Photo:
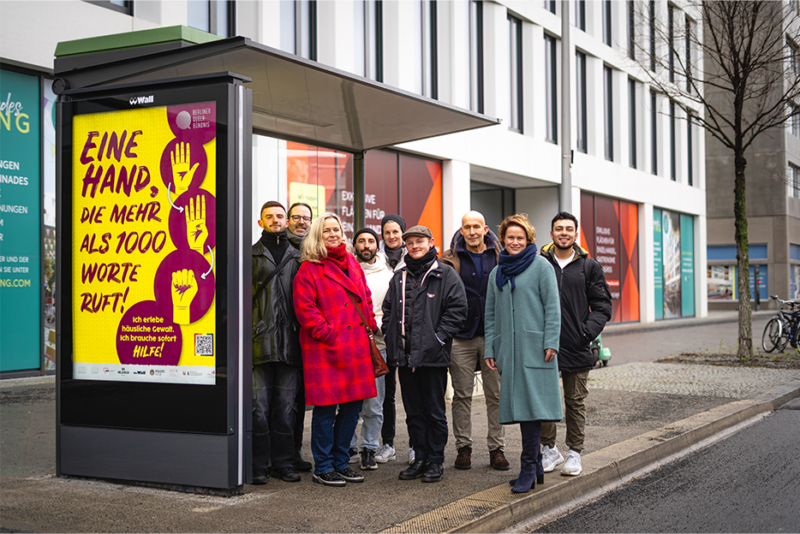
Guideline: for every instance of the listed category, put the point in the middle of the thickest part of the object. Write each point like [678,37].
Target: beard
[366,255]
[562,247]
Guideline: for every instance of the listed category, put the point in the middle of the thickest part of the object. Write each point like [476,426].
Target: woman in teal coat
[522,328]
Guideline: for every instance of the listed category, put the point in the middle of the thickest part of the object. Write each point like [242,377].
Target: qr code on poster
[204,344]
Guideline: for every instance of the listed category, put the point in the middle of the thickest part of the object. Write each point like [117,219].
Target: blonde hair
[313,248]
[521,220]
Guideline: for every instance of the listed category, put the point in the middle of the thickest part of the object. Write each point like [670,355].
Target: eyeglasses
[296,218]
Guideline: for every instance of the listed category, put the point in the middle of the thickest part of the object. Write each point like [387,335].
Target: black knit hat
[396,218]
[366,231]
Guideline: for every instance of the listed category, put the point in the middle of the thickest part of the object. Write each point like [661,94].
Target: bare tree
[733,68]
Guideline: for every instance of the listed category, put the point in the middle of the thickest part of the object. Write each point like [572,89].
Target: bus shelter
[155,130]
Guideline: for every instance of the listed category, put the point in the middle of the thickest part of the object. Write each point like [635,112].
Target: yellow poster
[144,244]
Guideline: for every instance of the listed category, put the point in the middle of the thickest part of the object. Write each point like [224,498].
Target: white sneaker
[572,466]
[551,458]
[385,453]
[411,456]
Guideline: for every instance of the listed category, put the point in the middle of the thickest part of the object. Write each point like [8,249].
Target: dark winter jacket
[439,309]
[585,307]
[459,259]
[280,342]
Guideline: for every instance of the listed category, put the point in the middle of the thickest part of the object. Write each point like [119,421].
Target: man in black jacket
[277,363]
[473,255]
[424,308]
[585,309]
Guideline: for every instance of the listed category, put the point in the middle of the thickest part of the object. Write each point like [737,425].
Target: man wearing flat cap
[426,306]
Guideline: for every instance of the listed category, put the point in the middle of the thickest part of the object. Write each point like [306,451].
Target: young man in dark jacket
[424,308]
[585,309]
[473,256]
[277,363]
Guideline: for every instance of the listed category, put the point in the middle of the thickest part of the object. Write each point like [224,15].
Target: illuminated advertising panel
[144,192]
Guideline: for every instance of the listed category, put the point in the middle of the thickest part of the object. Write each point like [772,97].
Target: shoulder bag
[378,363]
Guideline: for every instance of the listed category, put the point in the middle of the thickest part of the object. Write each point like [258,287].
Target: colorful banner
[658,265]
[144,238]
[20,222]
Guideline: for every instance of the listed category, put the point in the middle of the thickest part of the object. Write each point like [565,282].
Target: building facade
[638,174]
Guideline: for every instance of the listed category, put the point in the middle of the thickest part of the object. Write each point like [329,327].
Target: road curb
[616,463]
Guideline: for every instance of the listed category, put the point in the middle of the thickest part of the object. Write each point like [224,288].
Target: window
[551,88]
[212,16]
[369,38]
[299,27]
[653,134]
[580,85]
[607,22]
[689,151]
[608,112]
[122,6]
[688,64]
[515,56]
[794,60]
[429,49]
[652,35]
[671,41]
[632,121]
[794,181]
[550,5]
[794,120]
[631,31]
[673,156]
[580,14]
[476,55]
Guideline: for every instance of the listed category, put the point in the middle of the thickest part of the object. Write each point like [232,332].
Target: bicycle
[782,329]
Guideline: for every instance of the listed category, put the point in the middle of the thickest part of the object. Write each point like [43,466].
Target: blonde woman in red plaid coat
[337,365]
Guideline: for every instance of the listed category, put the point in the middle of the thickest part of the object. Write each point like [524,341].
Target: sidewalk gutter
[617,329]
[497,509]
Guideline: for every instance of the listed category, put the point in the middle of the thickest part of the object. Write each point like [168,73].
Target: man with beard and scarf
[426,306]
[299,218]
[378,276]
[277,363]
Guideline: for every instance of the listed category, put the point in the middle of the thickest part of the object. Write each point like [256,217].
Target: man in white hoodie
[378,275]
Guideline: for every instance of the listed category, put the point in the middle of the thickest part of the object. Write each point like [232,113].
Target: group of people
[490,303]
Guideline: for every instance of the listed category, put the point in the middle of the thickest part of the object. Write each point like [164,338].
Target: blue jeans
[331,432]
[372,418]
[274,391]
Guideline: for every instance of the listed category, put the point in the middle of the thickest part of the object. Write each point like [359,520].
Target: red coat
[337,365]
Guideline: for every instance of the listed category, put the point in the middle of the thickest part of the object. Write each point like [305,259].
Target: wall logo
[141,100]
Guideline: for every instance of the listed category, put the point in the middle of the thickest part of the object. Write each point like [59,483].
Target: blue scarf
[510,266]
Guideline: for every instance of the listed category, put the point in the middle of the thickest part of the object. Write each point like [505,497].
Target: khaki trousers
[575,393]
[465,357]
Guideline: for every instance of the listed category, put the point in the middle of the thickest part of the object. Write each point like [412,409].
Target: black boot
[415,470]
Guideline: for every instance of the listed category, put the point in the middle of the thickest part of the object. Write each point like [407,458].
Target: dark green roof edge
[123,41]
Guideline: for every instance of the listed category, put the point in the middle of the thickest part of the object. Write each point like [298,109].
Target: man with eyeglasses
[300,218]
[299,221]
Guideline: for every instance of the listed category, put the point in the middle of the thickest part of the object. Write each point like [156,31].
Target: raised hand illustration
[196,227]
[184,289]
[182,174]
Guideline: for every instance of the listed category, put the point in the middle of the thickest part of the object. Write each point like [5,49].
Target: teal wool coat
[519,326]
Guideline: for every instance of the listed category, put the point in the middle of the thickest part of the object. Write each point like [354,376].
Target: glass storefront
[395,183]
[610,233]
[673,251]
[722,273]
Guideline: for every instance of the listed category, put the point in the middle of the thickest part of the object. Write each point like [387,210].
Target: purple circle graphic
[181,288]
[193,122]
[176,151]
[200,216]
[146,337]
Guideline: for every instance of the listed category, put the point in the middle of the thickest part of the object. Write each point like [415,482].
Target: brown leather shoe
[498,460]
[464,459]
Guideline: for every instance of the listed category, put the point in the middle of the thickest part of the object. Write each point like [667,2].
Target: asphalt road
[715,338]
[749,482]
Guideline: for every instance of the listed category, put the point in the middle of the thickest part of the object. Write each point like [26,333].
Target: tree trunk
[745,350]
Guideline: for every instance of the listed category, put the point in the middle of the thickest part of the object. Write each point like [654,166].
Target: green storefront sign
[20,222]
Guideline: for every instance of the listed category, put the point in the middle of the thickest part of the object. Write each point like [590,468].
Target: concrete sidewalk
[639,415]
